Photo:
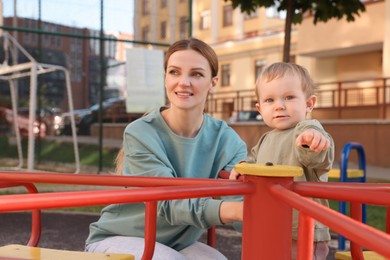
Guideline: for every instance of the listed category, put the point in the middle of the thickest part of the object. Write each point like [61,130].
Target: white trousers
[135,246]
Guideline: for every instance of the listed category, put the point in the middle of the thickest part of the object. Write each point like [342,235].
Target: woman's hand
[234,175]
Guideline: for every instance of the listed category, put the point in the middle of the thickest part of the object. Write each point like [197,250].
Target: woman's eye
[173,72]
[197,74]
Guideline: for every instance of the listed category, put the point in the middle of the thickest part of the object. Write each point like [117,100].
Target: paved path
[66,230]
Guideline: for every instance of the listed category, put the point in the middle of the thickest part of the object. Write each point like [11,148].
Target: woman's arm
[231,211]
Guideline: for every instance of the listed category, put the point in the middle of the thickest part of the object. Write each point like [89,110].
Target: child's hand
[313,140]
[234,175]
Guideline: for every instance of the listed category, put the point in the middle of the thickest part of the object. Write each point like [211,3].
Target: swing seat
[351,173]
[368,255]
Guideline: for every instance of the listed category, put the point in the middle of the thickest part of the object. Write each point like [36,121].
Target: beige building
[349,60]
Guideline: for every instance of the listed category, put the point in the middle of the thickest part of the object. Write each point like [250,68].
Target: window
[225,71]
[145,7]
[227,15]
[272,12]
[204,20]
[259,66]
[252,15]
[163,30]
[145,33]
[183,27]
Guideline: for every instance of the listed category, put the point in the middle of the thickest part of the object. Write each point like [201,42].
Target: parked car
[246,116]
[7,122]
[114,111]
[65,128]
[50,117]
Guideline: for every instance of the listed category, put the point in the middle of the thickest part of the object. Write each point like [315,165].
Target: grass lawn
[375,215]
[59,152]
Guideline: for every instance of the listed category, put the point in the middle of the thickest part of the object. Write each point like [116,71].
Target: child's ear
[310,103]
[258,107]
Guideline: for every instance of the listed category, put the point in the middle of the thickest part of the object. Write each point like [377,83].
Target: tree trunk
[287,31]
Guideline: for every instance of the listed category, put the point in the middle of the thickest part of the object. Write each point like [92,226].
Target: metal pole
[190,18]
[33,107]
[39,87]
[102,81]
[14,48]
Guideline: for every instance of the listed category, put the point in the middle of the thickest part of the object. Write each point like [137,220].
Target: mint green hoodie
[152,149]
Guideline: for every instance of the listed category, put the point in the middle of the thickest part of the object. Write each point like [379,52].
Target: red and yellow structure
[270,194]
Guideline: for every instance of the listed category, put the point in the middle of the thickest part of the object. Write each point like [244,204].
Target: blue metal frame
[344,178]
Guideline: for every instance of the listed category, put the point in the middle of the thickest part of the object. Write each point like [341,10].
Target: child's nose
[280,105]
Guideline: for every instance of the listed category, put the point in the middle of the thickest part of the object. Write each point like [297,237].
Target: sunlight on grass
[55,151]
[375,215]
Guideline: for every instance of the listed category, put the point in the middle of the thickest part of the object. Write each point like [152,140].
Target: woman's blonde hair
[119,161]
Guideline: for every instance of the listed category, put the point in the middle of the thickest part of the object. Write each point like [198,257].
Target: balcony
[358,99]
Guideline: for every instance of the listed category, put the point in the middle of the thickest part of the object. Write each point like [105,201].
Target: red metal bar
[357,214]
[366,193]
[305,237]
[103,197]
[267,222]
[36,216]
[102,180]
[361,233]
[150,229]
[211,236]
[388,220]
[267,205]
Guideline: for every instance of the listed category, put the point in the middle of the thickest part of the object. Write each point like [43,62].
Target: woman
[175,141]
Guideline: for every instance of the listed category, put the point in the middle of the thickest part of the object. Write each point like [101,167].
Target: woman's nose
[185,81]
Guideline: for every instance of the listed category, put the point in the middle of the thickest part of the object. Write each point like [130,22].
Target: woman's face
[188,80]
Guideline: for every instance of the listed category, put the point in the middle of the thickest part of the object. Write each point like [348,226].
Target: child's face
[282,102]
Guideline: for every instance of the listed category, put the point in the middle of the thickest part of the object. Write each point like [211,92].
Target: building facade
[348,60]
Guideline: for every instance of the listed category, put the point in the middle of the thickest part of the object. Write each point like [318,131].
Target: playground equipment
[269,196]
[11,72]
[358,176]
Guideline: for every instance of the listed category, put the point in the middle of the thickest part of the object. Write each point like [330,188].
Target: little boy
[285,95]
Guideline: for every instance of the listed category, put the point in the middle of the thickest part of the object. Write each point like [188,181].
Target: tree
[321,10]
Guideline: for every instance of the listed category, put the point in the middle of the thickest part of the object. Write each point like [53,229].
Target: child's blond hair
[280,69]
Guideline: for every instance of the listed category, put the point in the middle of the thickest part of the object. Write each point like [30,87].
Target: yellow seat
[36,253]
[351,173]
[368,255]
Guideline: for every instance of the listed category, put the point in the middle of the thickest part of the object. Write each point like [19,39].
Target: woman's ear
[310,103]
[213,84]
